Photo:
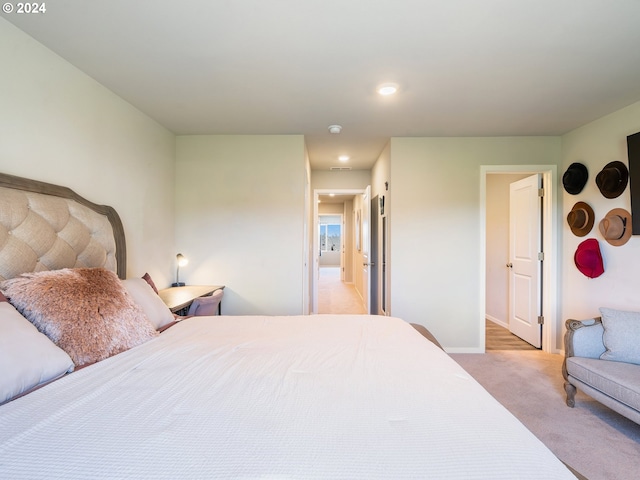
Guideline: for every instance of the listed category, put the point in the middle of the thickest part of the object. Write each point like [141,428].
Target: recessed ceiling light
[387,89]
[335,128]
[343,158]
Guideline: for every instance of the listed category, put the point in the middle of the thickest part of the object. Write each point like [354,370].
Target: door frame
[315,235]
[550,247]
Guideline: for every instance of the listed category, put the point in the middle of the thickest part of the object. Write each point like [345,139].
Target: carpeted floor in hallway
[335,296]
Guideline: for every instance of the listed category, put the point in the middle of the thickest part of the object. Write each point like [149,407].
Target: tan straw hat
[615,227]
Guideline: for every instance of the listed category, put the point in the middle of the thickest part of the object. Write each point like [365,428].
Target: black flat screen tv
[633,149]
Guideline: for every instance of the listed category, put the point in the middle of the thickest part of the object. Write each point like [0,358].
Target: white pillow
[27,357]
[152,305]
[621,335]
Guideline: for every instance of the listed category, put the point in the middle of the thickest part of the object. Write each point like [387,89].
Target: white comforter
[309,397]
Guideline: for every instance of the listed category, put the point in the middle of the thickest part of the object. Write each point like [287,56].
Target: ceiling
[464,67]
[335,198]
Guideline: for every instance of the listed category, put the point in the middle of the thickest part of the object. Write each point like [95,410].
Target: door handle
[510,265]
[372,264]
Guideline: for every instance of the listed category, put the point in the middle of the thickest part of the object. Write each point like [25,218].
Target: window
[329,237]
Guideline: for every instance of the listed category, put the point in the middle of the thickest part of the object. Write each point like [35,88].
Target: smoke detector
[335,128]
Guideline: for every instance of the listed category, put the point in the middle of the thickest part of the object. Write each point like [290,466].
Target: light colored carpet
[591,438]
[335,296]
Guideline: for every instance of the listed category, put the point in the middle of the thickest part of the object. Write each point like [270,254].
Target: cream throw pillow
[155,309]
[27,357]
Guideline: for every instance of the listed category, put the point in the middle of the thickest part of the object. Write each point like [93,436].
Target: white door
[525,259]
[366,247]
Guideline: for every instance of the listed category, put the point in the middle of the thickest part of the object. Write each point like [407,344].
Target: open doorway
[330,232]
[495,181]
[498,335]
[335,295]
[336,276]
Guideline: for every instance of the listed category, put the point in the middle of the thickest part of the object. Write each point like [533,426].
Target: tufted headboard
[48,227]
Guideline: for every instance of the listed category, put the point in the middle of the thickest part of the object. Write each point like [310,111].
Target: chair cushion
[615,379]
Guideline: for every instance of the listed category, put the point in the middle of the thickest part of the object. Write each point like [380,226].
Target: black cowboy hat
[575,178]
[612,179]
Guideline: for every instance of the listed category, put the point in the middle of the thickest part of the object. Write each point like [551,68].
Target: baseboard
[498,322]
[463,350]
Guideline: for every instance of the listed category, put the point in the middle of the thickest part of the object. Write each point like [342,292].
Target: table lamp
[181,262]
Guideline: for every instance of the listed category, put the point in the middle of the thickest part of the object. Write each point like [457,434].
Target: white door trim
[550,247]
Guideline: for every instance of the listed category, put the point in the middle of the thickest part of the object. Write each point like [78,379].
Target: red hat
[588,258]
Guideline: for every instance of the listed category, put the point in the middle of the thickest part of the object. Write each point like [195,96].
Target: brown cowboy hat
[615,227]
[612,179]
[580,219]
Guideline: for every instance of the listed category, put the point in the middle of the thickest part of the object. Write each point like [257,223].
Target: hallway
[335,296]
[500,338]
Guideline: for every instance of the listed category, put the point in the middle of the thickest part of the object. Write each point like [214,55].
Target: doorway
[495,250]
[330,231]
[347,203]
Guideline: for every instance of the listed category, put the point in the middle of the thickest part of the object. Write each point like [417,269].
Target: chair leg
[571,394]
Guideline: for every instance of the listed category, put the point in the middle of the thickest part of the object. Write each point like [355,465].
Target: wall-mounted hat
[580,219]
[588,258]
[612,179]
[575,178]
[615,227]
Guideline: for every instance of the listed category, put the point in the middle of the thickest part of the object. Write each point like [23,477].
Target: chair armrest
[583,338]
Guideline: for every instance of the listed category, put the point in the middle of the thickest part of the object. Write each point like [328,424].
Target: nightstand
[178,299]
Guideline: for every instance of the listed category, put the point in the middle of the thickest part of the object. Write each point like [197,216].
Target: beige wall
[349,241]
[435,228]
[60,126]
[356,255]
[345,179]
[595,145]
[240,216]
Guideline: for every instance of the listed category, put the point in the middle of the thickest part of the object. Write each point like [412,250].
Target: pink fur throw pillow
[85,311]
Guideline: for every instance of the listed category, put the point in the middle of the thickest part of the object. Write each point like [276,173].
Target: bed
[228,397]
